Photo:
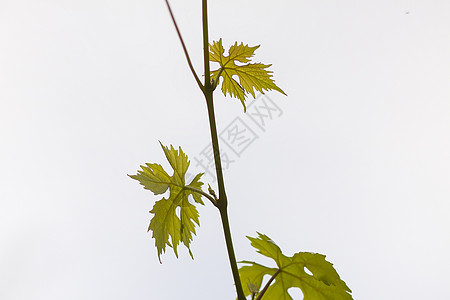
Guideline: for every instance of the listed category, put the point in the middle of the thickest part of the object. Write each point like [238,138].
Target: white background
[357,167]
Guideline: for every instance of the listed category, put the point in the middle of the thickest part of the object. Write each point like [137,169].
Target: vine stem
[222,202]
[208,88]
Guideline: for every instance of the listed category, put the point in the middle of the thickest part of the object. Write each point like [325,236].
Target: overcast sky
[354,163]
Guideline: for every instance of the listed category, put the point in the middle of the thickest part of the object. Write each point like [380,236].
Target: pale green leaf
[252,77]
[174,218]
[323,284]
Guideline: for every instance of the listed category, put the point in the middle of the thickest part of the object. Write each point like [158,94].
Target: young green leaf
[251,76]
[323,284]
[175,216]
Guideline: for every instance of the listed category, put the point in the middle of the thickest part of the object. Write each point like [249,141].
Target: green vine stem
[208,88]
[222,204]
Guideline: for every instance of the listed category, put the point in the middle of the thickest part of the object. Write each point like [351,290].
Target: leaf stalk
[210,198]
[264,290]
[216,80]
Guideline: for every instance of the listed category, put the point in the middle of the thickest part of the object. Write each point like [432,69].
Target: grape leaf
[251,76]
[175,216]
[323,284]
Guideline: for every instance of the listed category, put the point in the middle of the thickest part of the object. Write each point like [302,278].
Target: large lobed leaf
[251,76]
[174,217]
[323,284]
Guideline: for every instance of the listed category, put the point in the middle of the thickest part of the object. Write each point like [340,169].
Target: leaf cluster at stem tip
[251,76]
